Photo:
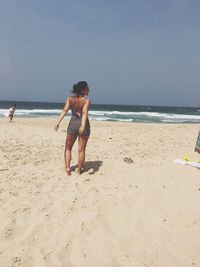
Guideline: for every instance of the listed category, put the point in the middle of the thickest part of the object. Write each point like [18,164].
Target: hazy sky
[131,52]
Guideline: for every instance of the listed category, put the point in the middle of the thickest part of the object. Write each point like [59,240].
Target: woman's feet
[68,171]
[80,171]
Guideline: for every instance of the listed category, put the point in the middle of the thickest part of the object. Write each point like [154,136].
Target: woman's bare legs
[82,142]
[70,140]
[11,117]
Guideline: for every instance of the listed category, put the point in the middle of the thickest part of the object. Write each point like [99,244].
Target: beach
[143,212]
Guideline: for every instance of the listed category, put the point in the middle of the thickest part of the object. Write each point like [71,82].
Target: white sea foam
[22,112]
[105,115]
[136,115]
[38,111]
[110,119]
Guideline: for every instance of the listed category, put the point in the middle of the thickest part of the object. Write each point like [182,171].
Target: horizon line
[141,105]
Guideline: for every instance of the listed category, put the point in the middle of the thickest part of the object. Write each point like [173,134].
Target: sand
[120,214]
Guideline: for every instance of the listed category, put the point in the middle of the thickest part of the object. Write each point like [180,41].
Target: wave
[144,116]
[115,115]
[25,112]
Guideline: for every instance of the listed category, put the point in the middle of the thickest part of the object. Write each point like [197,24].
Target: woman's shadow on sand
[90,166]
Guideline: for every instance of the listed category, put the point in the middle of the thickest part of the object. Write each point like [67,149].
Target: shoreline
[96,120]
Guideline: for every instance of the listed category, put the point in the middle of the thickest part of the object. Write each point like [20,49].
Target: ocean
[123,113]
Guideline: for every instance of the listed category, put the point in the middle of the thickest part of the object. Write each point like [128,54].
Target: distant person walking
[79,125]
[11,112]
[197,147]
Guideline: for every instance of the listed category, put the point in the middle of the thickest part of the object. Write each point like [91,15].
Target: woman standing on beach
[79,125]
[197,147]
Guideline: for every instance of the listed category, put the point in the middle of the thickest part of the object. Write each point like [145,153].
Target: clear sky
[131,52]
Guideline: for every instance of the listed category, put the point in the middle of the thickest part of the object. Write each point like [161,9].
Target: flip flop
[128,160]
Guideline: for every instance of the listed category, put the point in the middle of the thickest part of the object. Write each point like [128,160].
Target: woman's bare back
[76,104]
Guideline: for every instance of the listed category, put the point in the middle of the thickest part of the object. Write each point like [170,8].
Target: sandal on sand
[128,160]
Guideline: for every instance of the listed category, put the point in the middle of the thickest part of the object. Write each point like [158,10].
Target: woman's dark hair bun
[74,88]
[77,88]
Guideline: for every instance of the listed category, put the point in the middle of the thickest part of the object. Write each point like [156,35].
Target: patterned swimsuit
[75,124]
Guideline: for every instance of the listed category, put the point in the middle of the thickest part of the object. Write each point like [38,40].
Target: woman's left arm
[63,113]
[84,115]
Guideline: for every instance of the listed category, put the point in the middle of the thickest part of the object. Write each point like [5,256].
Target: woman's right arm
[63,113]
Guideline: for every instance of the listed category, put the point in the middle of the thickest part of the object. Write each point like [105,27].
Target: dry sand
[142,214]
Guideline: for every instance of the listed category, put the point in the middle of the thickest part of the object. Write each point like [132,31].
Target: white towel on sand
[190,163]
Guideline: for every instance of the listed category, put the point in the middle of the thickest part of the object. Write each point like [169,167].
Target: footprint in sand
[8,232]
[16,261]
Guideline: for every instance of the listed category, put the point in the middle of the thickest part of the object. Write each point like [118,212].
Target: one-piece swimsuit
[75,124]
